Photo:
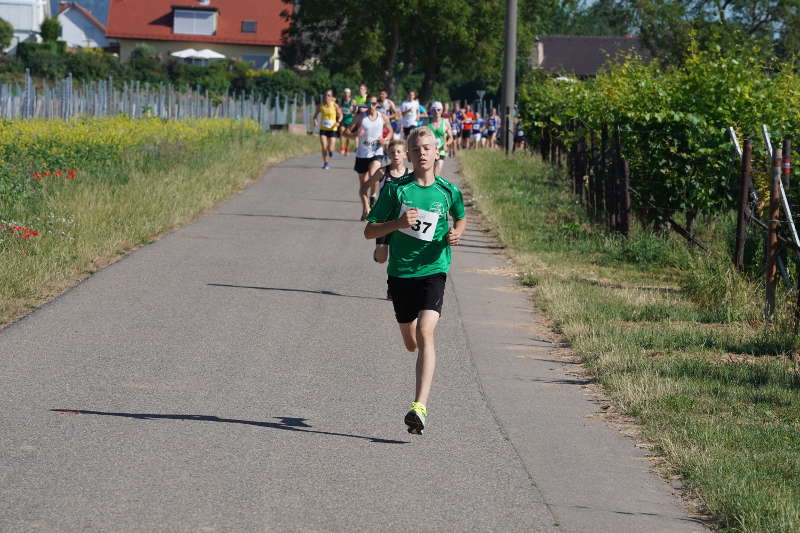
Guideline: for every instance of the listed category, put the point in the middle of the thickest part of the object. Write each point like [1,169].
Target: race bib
[425,226]
[328,123]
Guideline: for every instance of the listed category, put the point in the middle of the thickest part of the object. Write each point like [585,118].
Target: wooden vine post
[772,235]
[744,189]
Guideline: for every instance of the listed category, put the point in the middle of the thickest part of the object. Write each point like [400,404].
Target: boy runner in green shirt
[414,210]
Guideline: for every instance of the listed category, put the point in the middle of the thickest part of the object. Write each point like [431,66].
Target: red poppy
[59,172]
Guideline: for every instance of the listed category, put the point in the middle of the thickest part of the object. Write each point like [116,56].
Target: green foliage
[578,17]
[9,67]
[6,34]
[26,48]
[668,27]
[50,29]
[47,64]
[387,41]
[88,65]
[143,50]
[673,122]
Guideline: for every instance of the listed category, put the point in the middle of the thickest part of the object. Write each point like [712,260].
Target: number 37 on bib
[425,226]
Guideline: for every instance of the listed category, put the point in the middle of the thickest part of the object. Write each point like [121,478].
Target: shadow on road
[326,293]
[286,423]
[491,247]
[354,219]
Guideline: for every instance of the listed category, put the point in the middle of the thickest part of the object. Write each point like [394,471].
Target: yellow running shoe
[416,418]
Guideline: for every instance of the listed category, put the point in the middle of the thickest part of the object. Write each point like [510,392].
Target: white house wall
[26,17]
[79,32]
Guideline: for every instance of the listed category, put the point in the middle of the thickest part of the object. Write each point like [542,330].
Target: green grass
[675,338]
[87,223]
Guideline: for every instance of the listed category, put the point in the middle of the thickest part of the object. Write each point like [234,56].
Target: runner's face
[423,153]
[398,155]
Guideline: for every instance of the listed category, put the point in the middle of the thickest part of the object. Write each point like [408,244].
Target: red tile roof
[152,20]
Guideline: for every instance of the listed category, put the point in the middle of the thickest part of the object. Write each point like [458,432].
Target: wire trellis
[63,100]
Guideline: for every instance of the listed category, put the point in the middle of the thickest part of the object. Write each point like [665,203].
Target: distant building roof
[64,6]
[582,55]
[153,20]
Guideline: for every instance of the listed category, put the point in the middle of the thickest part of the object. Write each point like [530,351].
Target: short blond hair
[421,131]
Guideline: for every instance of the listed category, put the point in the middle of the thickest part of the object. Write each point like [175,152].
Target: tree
[387,41]
[6,34]
[668,27]
[579,17]
[50,29]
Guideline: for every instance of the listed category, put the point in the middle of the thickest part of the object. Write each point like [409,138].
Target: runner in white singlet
[373,131]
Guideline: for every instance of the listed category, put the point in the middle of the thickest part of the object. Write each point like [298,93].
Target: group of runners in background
[466,128]
[366,124]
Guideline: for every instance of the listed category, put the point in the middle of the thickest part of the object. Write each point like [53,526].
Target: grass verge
[675,339]
[90,221]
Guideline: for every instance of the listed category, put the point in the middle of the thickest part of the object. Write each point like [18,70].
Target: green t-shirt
[421,250]
[347,111]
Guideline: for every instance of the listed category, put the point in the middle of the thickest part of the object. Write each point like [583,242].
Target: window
[195,22]
[248,26]
[259,62]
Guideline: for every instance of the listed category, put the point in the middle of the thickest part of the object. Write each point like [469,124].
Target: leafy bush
[11,65]
[26,48]
[50,29]
[143,50]
[6,34]
[673,122]
[89,64]
[47,64]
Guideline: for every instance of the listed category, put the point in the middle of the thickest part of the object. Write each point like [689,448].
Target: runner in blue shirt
[423,116]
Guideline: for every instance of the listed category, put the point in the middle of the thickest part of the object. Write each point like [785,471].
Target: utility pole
[509,74]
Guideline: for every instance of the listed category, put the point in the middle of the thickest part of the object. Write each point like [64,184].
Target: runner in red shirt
[466,132]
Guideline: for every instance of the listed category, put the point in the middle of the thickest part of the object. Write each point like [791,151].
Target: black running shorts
[466,133]
[407,131]
[412,295]
[362,163]
[327,133]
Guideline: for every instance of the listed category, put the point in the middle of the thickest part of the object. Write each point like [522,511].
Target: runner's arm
[354,127]
[387,132]
[339,114]
[454,235]
[381,229]
[375,178]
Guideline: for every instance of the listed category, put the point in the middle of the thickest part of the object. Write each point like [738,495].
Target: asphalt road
[245,374]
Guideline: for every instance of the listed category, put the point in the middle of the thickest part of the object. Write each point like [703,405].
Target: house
[81,29]
[249,30]
[26,17]
[580,55]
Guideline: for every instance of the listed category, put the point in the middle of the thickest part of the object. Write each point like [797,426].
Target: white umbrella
[183,54]
[208,54]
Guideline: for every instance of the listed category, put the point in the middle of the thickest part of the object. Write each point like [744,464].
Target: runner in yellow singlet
[331,115]
[362,96]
